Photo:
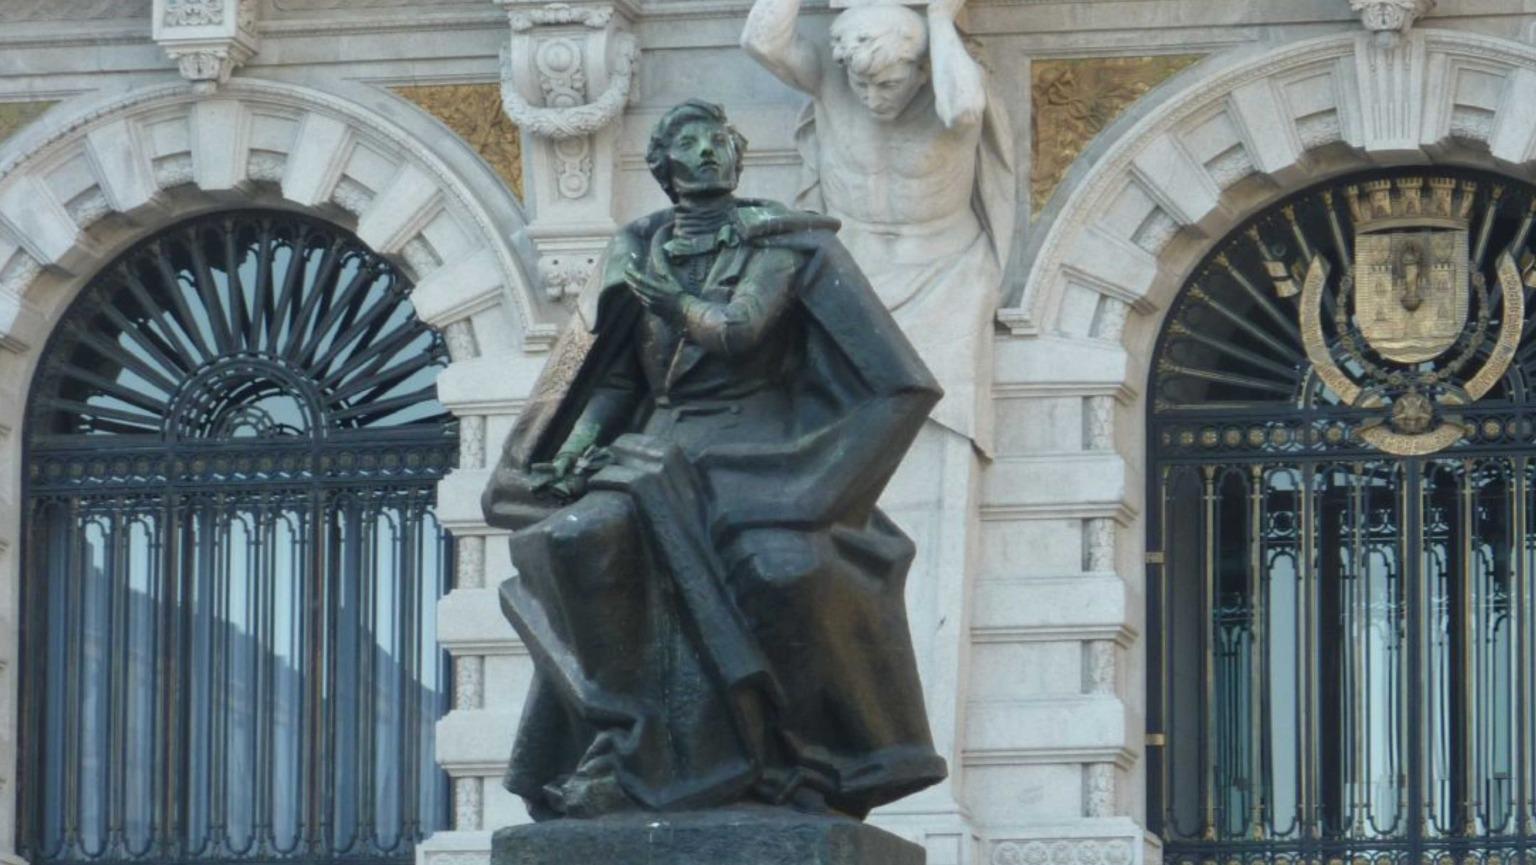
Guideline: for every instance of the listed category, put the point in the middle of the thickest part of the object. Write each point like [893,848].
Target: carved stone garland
[566,77]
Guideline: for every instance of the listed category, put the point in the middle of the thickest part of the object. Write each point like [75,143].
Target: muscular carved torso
[908,173]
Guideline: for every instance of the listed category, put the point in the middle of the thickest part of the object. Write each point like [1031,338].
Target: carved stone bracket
[207,39]
[567,73]
[1390,18]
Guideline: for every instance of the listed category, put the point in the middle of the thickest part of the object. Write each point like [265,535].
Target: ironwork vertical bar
[1402,760]
[1359,565]
[1521,536]
[1413,580]
[369,568]
[327,573]
[315,650]
[1306,666]
[1257,783]
[74,724]
[1468,651]
[264,817]
[1165,660]
[219,694]
[1208,608]
[410,530]
[1426,821]
[119,694]
[185,638]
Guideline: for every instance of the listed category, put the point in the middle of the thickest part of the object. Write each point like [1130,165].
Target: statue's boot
[593,790]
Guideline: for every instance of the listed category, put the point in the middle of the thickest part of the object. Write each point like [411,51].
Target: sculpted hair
[667,127]
[867,39]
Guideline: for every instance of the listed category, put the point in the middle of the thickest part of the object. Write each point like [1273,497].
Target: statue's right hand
[563,464]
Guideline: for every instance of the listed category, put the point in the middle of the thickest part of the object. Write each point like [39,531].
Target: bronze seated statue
[712,600]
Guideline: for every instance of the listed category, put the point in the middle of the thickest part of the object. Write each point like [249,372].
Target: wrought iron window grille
[231,557]
[1343,620]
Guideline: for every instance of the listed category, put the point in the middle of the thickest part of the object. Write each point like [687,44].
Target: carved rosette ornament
[566,78]
[1391,18]
[207,39]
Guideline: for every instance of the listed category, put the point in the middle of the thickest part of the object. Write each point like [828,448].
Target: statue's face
[888,91]
[703,159]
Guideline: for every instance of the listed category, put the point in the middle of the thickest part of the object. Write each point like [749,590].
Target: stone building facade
[489,147]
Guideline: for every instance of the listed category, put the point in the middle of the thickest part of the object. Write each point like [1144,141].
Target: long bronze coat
[721,613]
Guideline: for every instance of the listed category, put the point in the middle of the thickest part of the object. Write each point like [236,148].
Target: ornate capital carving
[1390,18]
[207,39]
[568,258]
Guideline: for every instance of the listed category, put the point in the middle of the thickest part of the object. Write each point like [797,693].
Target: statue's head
[885,51]
[694,150]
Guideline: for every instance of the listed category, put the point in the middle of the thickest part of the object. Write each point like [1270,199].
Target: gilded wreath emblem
[1403,334]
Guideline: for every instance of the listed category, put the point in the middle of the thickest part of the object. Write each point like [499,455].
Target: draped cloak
[726,621]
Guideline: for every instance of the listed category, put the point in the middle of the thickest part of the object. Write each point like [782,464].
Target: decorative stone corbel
[566,78]
[1391,19]
[208,39]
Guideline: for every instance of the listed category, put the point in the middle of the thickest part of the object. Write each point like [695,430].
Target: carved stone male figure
[713,603]
[904,143]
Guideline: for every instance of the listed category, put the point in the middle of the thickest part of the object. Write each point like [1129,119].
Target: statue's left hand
[663,297]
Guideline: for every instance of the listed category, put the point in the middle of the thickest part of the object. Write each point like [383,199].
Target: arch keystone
[220,135]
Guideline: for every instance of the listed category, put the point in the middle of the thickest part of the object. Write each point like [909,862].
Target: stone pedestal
[737,836]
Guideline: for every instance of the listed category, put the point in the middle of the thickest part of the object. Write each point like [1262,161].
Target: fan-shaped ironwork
[1232,373]
[1345,638]
[232,559]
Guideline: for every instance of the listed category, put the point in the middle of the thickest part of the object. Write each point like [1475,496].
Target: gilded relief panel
[474,113]
[1074,99]
[15,115]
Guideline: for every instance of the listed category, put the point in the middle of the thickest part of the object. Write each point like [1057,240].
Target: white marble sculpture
[905,144]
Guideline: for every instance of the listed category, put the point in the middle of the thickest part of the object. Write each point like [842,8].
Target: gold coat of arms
[1412,292]
[1412,286]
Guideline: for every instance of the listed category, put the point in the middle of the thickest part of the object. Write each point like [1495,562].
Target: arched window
[1343,482]
[231,560]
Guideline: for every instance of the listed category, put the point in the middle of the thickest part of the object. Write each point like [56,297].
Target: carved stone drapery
[566,77]
[207,39]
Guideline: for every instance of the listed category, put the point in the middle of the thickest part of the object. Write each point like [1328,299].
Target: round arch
[1150,200]
[100,172]
[1162,185]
